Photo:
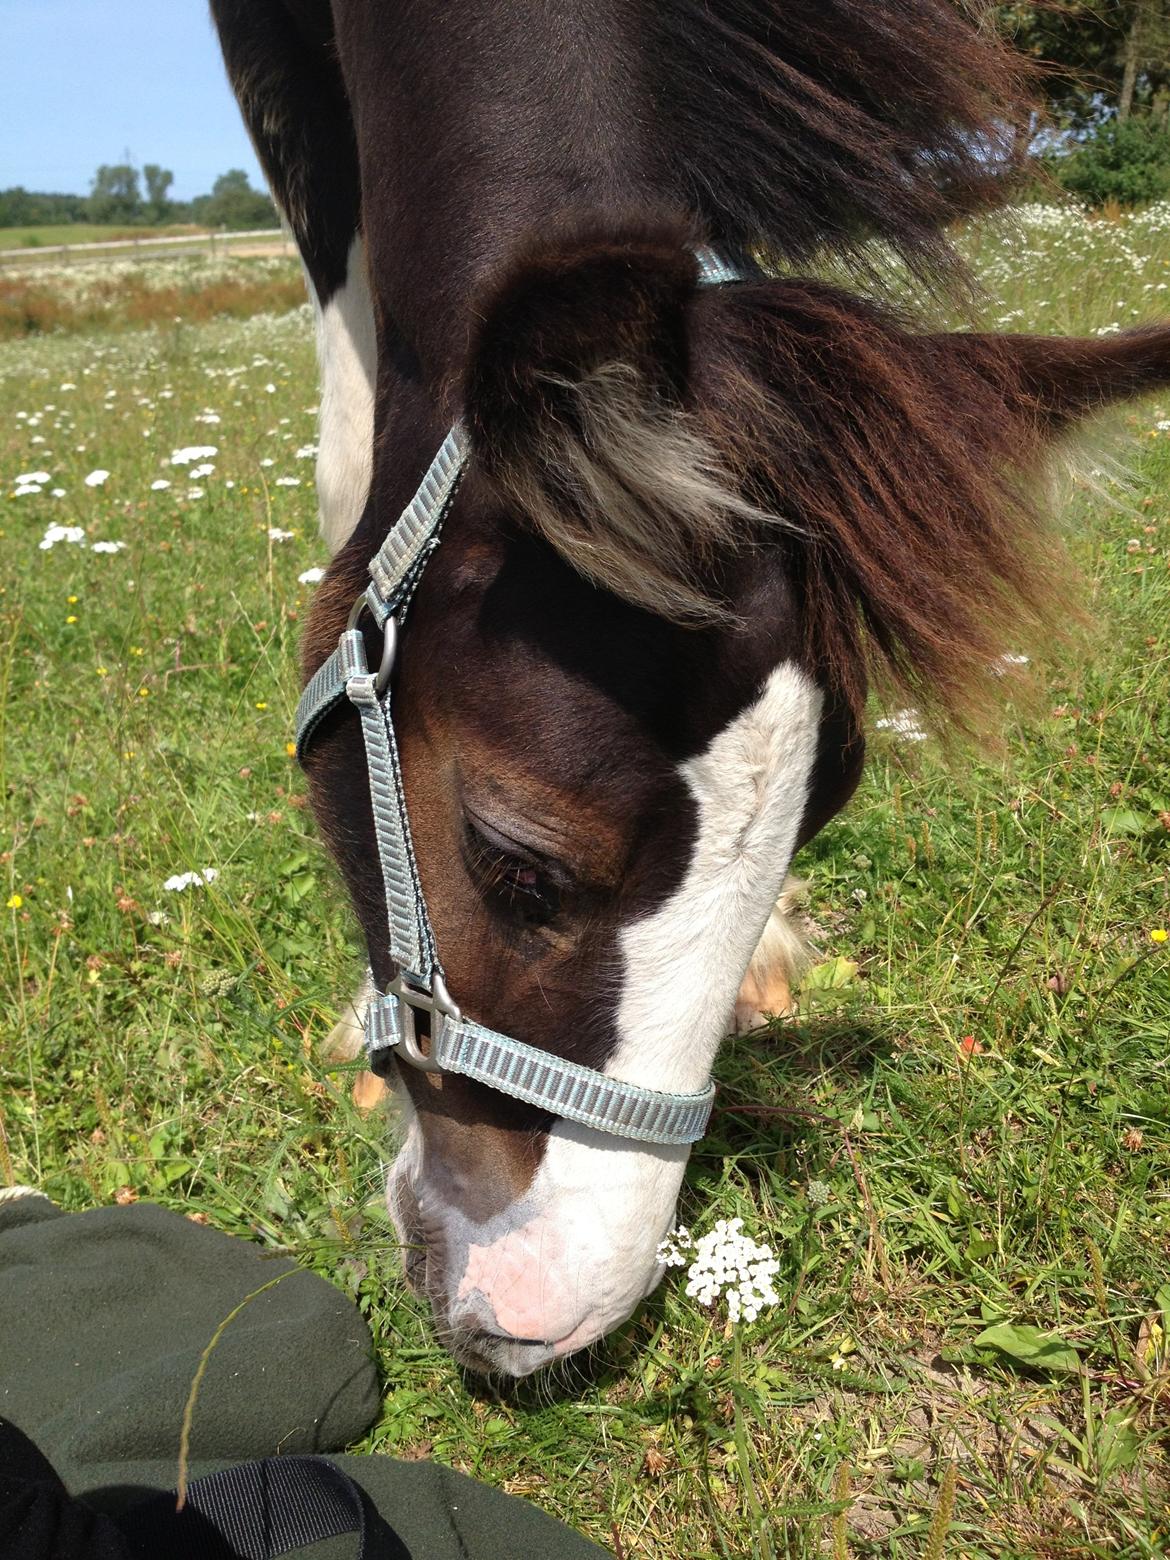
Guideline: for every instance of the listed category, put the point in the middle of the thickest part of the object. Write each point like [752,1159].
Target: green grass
[919,1187]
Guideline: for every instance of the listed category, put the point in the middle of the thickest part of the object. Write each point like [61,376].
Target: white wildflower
[193,452]
[903,724]
[288,482]
[43,476]
[62,533]
[1006,661]
[672,1250]
[160,486]
[107,547]
[729,1265]
[96,478]
[726,1264]
[311,577]
[184,880]
[204,470]
[275,534]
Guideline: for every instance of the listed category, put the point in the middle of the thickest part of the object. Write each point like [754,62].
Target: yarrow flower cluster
[61,533]
[184,880]
[193,452]
[311,576]
[724,1264]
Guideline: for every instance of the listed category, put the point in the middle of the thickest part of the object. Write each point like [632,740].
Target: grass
[959,1150]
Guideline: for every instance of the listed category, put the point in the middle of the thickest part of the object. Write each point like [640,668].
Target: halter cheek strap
[459,1044]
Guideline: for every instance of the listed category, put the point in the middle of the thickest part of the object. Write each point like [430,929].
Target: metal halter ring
[438,1002]
[389,640]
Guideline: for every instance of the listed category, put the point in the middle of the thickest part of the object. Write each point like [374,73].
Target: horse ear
[574,399]
[560,312]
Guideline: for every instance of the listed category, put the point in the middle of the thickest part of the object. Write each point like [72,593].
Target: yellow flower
[71,618]
[101,671]
[1159,934]
[137,650]
[261,704]
[15,901]
[144,693]
[291,749]
[72,600]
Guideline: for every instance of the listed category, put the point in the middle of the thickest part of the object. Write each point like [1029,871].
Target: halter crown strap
[457,1044]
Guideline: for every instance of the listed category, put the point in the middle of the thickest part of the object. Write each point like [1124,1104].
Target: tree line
[123,196]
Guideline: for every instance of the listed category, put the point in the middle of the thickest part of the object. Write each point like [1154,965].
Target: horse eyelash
[492,865]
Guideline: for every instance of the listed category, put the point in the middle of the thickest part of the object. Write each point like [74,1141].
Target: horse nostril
[488,1352]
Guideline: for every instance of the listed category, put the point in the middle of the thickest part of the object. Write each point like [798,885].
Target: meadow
[958,1149]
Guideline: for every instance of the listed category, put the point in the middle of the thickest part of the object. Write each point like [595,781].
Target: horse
[685,527]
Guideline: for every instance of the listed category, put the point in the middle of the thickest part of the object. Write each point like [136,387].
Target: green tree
[115,196]
[1098,58]
[234,204]
[158,181]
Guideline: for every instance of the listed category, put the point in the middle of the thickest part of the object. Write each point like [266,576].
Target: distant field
[119,291]
[959,1150]
[84,233]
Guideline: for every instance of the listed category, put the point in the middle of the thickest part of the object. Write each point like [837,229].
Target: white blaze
[684,963]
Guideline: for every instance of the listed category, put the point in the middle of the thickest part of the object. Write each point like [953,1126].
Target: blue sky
[87,80]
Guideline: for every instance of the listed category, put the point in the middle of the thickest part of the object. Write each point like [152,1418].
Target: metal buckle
[438,1002]
[389,639]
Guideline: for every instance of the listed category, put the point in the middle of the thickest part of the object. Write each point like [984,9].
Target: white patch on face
[347,356]
[582,1247]
[684,963]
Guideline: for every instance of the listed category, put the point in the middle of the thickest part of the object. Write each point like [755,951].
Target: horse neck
[477,126]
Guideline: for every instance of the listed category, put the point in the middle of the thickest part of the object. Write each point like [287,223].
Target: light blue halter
[459,1044]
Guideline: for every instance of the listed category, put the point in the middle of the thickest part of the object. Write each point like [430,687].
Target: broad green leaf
[832,975]
[1029,1346]
[1123,820]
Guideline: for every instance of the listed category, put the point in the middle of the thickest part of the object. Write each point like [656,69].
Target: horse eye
[516,880]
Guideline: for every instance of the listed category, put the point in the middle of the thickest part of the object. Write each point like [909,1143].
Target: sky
[86,81]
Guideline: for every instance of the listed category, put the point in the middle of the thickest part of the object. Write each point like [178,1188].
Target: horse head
[694,524]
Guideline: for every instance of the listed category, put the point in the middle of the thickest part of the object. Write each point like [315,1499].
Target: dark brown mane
[822,124]
[893,470]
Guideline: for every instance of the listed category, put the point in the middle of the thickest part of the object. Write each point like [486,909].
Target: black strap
[259,1511]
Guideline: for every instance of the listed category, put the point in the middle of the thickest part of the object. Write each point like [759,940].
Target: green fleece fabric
[103,1318]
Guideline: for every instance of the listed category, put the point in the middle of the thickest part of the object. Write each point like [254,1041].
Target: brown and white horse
[694,525]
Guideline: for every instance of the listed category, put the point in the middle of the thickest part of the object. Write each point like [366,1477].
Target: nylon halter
[459,1044]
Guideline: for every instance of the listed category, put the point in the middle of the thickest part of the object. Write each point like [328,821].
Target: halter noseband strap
[458,1044]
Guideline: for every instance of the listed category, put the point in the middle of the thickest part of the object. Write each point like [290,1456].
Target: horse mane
[821,125]
[651,431]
